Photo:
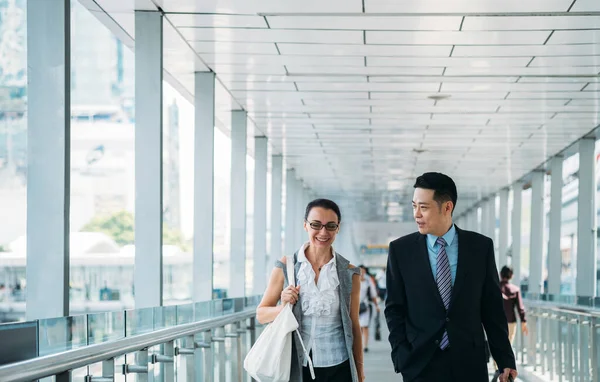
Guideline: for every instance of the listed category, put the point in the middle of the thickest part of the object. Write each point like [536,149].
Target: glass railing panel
[217,308]
[165,316]
[185,314]
[139,321]
[57,335]
[203,310]
[104,327]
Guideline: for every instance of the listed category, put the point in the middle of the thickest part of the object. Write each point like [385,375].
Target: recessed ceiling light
[439,97]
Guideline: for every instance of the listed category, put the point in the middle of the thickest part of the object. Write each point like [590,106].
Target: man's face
[431,217]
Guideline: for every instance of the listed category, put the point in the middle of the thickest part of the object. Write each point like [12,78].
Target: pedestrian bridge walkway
[207,341]
[378,363]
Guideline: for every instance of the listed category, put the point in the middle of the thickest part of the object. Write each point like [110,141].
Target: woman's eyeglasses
[316,225]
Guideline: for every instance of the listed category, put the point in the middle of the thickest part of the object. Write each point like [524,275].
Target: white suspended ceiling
[362,96]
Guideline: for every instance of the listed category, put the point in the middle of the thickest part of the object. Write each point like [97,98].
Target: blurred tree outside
[120,227]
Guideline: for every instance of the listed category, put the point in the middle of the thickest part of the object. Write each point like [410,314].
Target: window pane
[178,203]
[13,157]
[102,166]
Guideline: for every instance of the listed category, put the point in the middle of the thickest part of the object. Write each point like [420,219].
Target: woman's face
[327,221]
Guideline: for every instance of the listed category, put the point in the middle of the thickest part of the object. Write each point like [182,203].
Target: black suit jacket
[416,316]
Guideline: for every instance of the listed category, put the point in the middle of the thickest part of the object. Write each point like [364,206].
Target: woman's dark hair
[506,272]
[323,203]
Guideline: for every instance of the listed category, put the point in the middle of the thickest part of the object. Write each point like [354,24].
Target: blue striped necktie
[444,283]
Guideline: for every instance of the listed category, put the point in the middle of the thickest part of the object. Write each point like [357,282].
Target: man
[442,291]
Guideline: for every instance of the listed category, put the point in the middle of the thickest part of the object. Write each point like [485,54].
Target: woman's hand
[290,294]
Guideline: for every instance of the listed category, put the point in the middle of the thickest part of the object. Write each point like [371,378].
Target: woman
[511,294]
[326,301]
[368,295]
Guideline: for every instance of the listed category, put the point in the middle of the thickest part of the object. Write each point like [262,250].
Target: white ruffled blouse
[322,329]
[317,299]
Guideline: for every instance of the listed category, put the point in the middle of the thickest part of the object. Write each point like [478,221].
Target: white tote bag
[270,358]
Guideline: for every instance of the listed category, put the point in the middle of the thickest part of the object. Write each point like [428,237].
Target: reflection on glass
[104,327]
[217,308]
[165,316]
[139,321]
[61,334]
[203,310]
[185,314]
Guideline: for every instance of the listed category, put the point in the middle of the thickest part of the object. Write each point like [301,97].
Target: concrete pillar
[260,216]
[276,209]
[586,220]
[48,157]
[148,275]
[237,264]
[503,234]
[290,208]
[537,232]
[204,183]
[554,253]
[516,231]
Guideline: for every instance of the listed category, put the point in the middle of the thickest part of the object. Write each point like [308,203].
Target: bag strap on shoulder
[290,270]
[292,281]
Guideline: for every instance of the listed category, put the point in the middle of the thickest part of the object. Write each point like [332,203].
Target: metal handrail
[50,365]
[582,311]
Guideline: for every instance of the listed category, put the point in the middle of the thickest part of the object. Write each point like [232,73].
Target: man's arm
[395,312]
[493,316]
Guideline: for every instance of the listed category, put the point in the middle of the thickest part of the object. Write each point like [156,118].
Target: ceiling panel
[367,50]
[379,22]
[461,96]
[275,86]
[272,35]
[586,6]
[234,47]
[260,6]
[567,61]
[592,87]
[538,71]
[575,37]
[579,79]
[526,50]
[466,6]
[257,69]
[300,95]
[440,79]
[282,60]
[498,23]
[397,86]
[457,38]
[449,61]
[554,95]
[274,78]
[362,71]
[526,87]
[216,21]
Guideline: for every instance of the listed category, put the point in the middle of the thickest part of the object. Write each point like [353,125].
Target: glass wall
[222,217]
[250,223]
[13,154]
[102,166]
[178,196]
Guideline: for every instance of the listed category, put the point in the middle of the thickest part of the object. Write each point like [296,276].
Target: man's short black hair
[443,186]
[326,204]
[506,272]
